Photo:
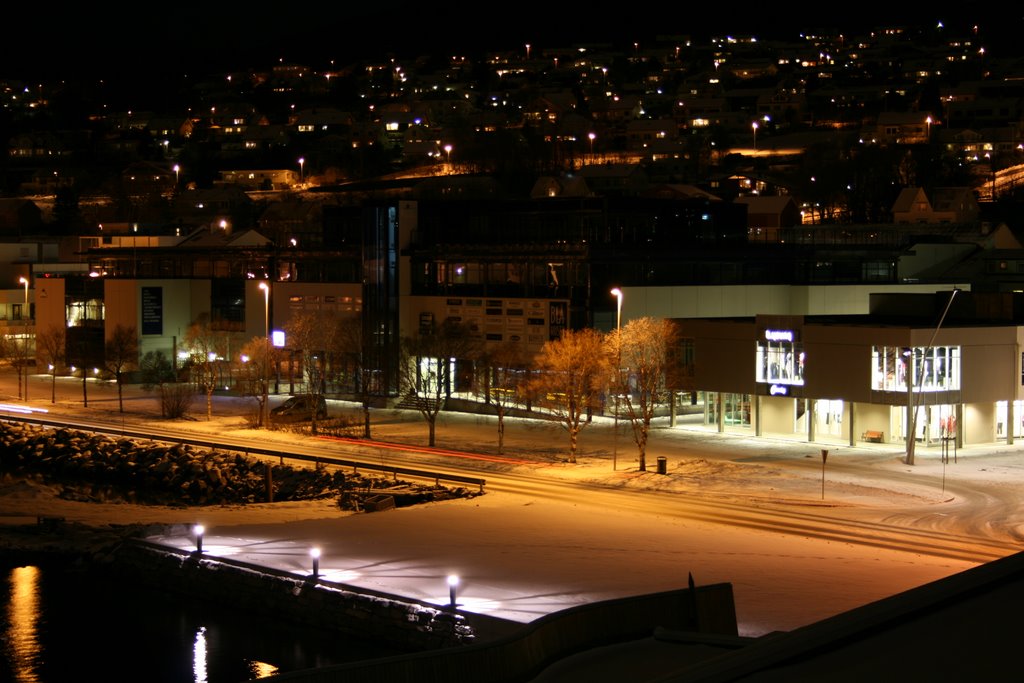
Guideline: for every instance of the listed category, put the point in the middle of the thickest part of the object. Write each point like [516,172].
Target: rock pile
[96,467]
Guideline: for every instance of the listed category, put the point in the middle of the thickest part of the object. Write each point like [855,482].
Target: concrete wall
[521,656]
[873,418]
[441,642]
[777,415]
[400,623]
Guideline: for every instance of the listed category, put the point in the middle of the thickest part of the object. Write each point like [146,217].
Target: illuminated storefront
[862,380]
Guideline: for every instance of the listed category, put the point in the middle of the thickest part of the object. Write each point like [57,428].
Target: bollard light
[453,582]
[198,530]
[315,554]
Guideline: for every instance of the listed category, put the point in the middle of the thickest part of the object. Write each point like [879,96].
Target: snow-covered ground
[522,555]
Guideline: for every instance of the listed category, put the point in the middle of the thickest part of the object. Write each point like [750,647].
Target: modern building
[844,379]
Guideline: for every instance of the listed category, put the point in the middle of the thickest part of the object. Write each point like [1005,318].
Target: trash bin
[662,465]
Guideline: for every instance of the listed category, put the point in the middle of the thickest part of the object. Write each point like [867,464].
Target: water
[58,626]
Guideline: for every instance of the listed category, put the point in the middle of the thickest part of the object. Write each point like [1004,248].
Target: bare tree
[571,374]
[158,373]
[347,351]
[51,345]
[505,372]
[645,353]
[312,335]
[16,353]
[426,369]
[121,353]
[257,358]
[207,349]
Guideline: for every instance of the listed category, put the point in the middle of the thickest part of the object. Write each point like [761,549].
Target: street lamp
[591,136]
[24,316]
[911,380]
[928,128]
[754,127]
[453,583]
[448,153]
[266,347]
[617,293]
[198,530]
[177,174]
[315,554]
[302,162]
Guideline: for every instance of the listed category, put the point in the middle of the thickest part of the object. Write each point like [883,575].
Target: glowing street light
[591,136]
[617,293]
[302,163]
[198,530]
[266,308]
[177,174]
[448,153]
[24,316]
[266,351]
[315,554]
[754,127]
[453,583]
[928,125]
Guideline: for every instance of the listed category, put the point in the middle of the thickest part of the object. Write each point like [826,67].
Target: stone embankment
[100,468]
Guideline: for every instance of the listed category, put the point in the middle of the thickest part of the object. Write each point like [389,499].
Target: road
[979,519]
[758,513]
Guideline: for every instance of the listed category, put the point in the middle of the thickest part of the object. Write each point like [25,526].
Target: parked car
[298,408]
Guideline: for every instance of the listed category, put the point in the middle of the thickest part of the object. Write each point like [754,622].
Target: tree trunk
[366,419]
[573,438]
[642,446]
[431,424]
[501,432]
[120,395]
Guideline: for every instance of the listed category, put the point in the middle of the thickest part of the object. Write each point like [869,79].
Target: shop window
[780,362]
[931,368]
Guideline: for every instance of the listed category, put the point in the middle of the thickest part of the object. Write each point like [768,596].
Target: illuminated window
[932,369]
[780,359]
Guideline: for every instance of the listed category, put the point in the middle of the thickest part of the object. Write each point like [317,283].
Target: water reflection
[199,656]
[72,624]
[22,641]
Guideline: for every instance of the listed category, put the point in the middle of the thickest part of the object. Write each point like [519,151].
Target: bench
[874,437]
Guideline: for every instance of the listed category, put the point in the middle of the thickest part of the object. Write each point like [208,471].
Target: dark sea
[60,625]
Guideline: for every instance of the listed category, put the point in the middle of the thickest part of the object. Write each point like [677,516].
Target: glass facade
[935,368]
[780,360]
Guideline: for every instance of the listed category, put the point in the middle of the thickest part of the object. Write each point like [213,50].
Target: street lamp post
[302,163]
[917,379]
[754,127]
[617,293]
[24,316]
[264,381]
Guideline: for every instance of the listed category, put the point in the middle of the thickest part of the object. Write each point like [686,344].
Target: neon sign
[779,335]
[778,390]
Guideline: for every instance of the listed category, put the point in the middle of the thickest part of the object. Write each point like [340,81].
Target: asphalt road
[759,513]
